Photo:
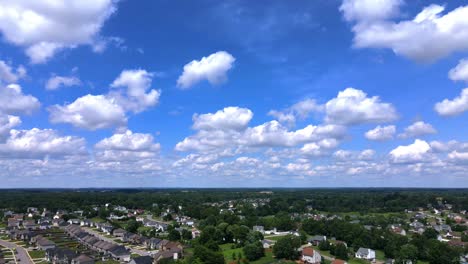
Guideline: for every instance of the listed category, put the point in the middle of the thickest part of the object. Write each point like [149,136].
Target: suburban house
[59,255]
[152,243]
[260,229]
[166,255]
[267,243]
[106,228]
[44,243]
[316,240]
[83,259]
[119,232]
[142,260]
[365,253]
[311,256]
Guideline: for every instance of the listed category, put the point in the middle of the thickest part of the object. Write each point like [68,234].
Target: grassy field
[380,255]
[274,238]
[107,262]
[37,254]
[268,258]
[228,251]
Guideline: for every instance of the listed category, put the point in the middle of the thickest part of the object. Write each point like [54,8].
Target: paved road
[22,254]
[102,237]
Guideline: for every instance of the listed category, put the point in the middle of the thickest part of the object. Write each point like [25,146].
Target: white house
[365,253]
[311,256]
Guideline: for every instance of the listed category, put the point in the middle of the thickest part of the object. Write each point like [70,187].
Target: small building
[316,240]
[83,259]
[142,260]
[311,256]
[260,229]
[268,243]
[339,261]
[365,253]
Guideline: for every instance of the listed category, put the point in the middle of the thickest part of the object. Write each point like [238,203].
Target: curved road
[22,253]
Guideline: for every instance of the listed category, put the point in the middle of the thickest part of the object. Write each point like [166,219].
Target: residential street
[100,236]
[21,254]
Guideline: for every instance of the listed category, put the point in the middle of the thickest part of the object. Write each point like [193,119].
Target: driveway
[22,253]
[102,237]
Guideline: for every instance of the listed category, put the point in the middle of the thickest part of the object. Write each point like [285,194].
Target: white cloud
[129,93]
[381,133]
[319,148]
[129,141]
[418,129]
[458,157]
[273,134]
[10,75]
[429,36]
[213,68]
[353,107]
[134,95]
[460,72]
[45,27]
[89,112]
[41,143]
[230,118]
[369,10]
[55,82]
[299,110]
[453,107]
[7,122]
[416,152]
[13,101]
[229,128]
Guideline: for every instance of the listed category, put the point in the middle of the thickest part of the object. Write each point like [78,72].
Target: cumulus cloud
[129,141]
[458,157]
[381,133]
[429,36]
[41,143]
[14,102]
[319,148]
[46,27]
[56,82]
[416,152]
[460,72]
[134,92]
[417,129]
[369,10]
[229,128]
[7,122]
[230,118]
[10,75]
[300,110]
[453,107]
[213,68]
[353,107]
[89,112]
[129,93]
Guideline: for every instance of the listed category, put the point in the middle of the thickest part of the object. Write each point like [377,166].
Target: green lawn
[37,254]
[227,252]
[380,255]
[268,258]
[274,238]
[358,261]
[133,255]
[98,220]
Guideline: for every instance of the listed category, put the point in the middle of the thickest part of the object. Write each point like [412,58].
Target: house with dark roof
[365,253]
[60,255]
[142,260]
[44,243]
[316,240]
[83,259]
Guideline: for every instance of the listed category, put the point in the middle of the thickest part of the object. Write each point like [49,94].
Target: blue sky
[352,93]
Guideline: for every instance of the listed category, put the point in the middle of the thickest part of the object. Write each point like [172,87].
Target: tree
[174,235]
[208,256]
[132,226]
[430,233]
[254,251]
[407,253]
[186,234]
[286,247]
[340,251]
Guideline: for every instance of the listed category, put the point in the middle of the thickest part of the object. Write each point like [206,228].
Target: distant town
[244,226]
